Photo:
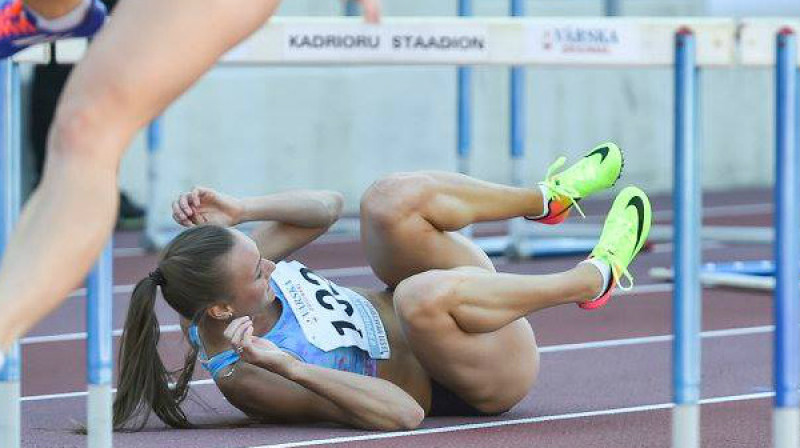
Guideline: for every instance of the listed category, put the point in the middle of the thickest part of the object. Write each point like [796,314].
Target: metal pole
[612,8]
[10,153]
[153,149]
[464,111]
[517,135]
[688,213]
[464,103]
[351,8]
[786,417]
[100,296]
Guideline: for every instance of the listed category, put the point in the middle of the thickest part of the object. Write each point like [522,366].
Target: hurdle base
[786,427]
[721,279]
[686,426]
[530,248]
[99,423]
[10,418]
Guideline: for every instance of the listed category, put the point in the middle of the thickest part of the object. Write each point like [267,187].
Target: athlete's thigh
[491,371]
[494,369]
[151,51]
[413,246]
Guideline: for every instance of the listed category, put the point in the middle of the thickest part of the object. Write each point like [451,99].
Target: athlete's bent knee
[95,126]
[395,197]
[422,299]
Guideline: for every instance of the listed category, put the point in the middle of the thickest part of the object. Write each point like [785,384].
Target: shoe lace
[13,21]
[605,251]
[556,189]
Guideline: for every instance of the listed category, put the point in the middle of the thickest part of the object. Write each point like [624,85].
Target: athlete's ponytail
[192,277]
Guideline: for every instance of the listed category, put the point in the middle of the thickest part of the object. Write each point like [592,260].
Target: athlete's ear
[220,311]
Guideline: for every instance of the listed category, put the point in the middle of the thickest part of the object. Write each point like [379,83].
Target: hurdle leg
[10,170]
[786,418]
[99,343]
[688,210]
[464,112]
[351,8]
[152,237]
[612,8]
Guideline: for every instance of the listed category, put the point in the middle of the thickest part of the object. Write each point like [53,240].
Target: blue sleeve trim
[219,361]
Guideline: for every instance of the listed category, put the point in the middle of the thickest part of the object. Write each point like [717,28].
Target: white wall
[254,130]
[740,8]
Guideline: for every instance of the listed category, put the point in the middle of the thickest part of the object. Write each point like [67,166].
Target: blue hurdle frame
[99,286]
[687,306]
[786,427]
[464,103]
[10,170]
[351,8]
[153,139]
[612,8]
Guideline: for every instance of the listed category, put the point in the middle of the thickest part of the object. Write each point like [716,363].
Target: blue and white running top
[320,323]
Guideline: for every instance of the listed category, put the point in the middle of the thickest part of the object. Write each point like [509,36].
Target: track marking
[78,336]
[356,271]
[521,421]
[730,332]
[722,211]
[125,252]
[339,273]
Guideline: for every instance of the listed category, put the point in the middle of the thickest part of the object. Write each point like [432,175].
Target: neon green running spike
[624,234]
[596,171]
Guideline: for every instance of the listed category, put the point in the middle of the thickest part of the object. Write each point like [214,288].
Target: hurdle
[786,417]
[687,203]
[99,282]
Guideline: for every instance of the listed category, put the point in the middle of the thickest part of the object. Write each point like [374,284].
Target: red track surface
[624,389]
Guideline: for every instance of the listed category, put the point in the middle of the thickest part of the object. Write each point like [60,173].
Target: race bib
[330,316]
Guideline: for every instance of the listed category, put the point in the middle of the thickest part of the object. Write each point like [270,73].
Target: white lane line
[722,211]
[83,394]
[78,336]
[730,332]
[521,421]
[356,271]
[125,252]
[339,273]
[118,289]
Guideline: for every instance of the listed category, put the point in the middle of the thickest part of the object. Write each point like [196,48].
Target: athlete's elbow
[334,203]
[406,419]
[412,419]
[394,420]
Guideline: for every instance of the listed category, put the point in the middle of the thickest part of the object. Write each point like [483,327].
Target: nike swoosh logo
[603,151]
[637,203]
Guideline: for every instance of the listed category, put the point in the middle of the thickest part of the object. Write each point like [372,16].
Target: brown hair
[192,278]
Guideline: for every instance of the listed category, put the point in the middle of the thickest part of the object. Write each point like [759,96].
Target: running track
[605,378]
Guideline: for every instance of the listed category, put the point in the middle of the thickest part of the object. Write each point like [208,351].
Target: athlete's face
[250,275]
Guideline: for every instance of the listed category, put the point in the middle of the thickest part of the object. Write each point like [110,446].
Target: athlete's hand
[255,350]
[206,206]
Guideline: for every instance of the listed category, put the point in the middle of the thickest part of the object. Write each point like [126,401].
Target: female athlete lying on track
[447,337]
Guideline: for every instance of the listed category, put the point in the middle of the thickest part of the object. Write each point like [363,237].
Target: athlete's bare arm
[271,384]
[289,220]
